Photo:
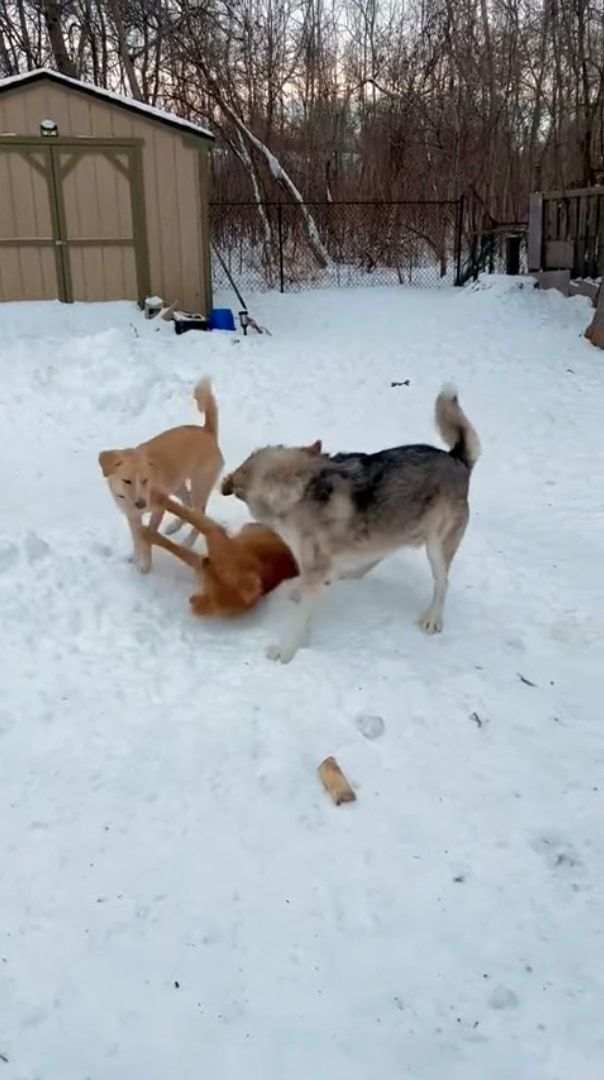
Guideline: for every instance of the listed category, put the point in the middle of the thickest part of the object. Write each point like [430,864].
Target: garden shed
[101,197]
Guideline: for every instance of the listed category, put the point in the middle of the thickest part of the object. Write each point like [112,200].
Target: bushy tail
[455,428]
[206,403]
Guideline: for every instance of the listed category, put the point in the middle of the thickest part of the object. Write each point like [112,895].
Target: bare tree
[327,100]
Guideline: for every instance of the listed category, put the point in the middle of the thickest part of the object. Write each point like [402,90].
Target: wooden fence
[566,232]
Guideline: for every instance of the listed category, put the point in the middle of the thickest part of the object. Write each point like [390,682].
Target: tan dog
[237,570]
[165,464]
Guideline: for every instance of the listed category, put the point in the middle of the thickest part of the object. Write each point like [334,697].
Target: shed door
[98,215]
[30,264]
[72,222]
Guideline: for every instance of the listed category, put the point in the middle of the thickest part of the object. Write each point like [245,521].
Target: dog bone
[335,782]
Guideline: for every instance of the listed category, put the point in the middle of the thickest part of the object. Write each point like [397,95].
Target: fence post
[459,238]
[535,232]
[280,232]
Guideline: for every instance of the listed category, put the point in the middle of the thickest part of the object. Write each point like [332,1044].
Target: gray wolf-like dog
[341,514]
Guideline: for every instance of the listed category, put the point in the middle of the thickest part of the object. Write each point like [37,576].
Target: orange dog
[237,570]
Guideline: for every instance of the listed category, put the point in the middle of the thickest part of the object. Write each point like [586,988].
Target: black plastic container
[182,323]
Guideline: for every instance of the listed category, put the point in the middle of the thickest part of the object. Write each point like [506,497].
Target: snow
[179,897]
[108,95]
[275,166]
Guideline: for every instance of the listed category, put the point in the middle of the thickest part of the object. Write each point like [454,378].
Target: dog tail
[206,403]
[455,428]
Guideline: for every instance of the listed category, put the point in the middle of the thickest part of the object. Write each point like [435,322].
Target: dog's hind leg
[349,575]
[201,489]
[432,619]
[440,554]
[360,571]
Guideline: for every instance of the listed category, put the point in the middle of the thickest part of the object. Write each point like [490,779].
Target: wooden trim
[101,241]
[59,226]
[70,141]
[125,170]
[27,242]
[203,195]
[67,166]
[139,225]
[572,193]
[29,158]
[111,153]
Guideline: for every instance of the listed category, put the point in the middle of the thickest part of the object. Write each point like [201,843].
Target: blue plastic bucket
[222,318]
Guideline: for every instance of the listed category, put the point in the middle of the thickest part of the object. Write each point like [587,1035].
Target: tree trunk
[62,59]
[124,52]
[268,236]
[595,330]
[282,177]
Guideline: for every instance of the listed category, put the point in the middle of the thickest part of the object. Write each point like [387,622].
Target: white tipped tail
[206,403]
[455,428]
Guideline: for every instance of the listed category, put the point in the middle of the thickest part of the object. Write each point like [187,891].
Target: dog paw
[280,654]
[431,623]
[200,604]
[143,563]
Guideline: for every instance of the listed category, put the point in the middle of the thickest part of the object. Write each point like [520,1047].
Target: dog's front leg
[141,546]
[297,631]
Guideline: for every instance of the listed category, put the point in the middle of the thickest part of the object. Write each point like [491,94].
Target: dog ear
[315,448]
[109,461]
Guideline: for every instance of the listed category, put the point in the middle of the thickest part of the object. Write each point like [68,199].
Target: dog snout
[227,485]
[140,504]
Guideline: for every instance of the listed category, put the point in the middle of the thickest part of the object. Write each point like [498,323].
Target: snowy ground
[178,897]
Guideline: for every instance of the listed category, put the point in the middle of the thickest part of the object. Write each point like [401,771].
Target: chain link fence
[291,246]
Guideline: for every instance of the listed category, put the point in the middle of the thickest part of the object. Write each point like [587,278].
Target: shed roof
[98,92]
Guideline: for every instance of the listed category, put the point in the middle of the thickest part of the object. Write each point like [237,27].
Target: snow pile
[179,897]
[502,283]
